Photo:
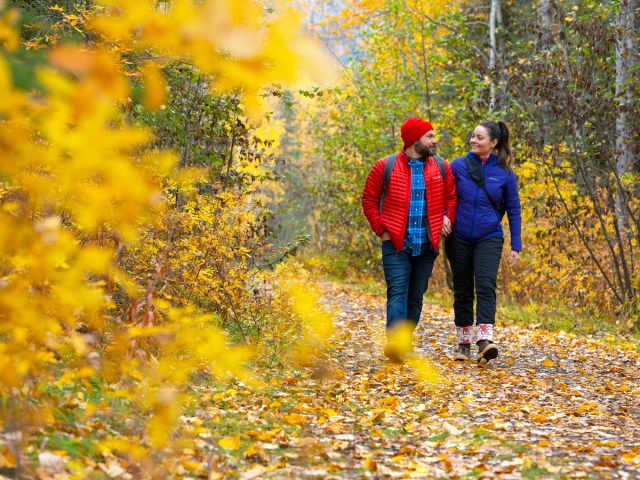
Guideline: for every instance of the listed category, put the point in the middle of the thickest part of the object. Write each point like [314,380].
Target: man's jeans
[474,265]
[407,280]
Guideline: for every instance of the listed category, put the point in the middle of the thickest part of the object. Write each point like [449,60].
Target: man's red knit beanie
[413,129]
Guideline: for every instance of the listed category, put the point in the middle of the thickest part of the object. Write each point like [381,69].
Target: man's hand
[446,226]
[513,258]
[385,236]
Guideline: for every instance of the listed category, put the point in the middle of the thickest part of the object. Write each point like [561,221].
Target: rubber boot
[464,352]
[487,350]
[464,344]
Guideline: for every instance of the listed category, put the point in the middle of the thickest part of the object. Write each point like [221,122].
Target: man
[418,205]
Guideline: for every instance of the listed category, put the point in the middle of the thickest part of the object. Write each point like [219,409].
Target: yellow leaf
[547,363]
[391,402]
[370,465]
[585,407]
[377,417]
[295,419]
[631,456]
[252,450]
[229,443]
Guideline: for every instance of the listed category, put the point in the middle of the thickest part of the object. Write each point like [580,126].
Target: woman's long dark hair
[499,131]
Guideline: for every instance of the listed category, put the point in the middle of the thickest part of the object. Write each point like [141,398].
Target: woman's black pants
[474,264]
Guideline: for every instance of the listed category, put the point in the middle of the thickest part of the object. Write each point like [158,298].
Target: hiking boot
[487,350]
[399,342]
[464,352]
[393,352]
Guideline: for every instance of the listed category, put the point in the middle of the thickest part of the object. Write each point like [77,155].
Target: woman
[486,187]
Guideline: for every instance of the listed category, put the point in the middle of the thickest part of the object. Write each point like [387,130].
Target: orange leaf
[73,59]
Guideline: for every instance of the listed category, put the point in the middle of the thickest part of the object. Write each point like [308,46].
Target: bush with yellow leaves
[103,282]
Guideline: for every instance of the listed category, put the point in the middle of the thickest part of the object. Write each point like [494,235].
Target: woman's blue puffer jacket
[476,218]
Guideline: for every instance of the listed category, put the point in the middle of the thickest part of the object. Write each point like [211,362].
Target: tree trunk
[425,64]
[546,40]
[544,9]
[493,51]
[503,97]
[626,55]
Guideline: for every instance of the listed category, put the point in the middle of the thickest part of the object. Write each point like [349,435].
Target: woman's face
[481,143]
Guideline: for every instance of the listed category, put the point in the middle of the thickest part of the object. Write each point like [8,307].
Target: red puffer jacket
[441,199]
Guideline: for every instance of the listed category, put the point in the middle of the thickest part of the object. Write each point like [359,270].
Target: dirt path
[551,406]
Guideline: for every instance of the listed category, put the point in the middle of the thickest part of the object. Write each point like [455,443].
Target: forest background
[168,167]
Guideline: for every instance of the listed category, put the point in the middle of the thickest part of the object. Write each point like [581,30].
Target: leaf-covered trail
[551,406]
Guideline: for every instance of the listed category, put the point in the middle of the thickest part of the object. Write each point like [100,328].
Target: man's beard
[423,150]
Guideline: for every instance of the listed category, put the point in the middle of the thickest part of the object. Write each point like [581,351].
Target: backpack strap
[388,167]
[475,172]
[440,162]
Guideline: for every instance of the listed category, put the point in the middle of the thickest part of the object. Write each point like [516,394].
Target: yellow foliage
[81,188]
[155,86]
[298,294]
[9,38]
[222,37]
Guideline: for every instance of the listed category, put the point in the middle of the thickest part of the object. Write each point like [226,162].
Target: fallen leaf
[295,419]
[450,429]
[229,443]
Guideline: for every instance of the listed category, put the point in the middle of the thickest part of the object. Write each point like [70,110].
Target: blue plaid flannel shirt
[416,236]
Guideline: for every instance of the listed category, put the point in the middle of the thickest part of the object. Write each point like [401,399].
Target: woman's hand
[513,258]
[385,236]
[446,226]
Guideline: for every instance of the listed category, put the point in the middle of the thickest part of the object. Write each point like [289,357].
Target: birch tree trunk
[503,96]
[427,98]
[544,11]
[626,56]
[493,50]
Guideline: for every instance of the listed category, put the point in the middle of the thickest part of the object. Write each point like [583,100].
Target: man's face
[426,144]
